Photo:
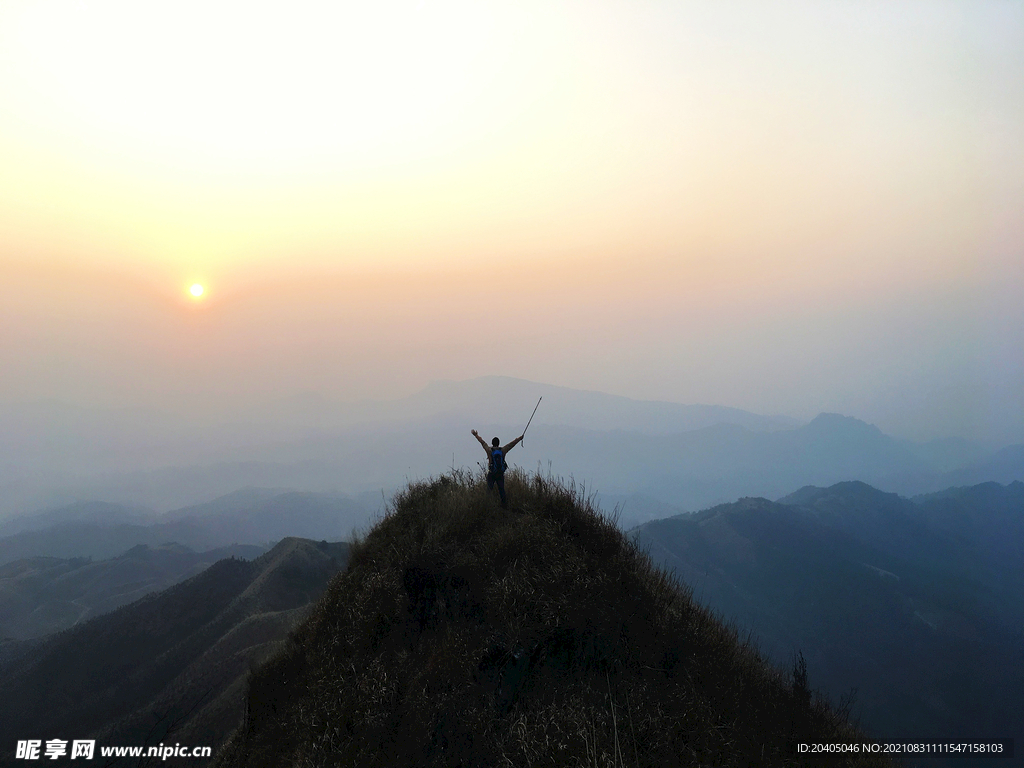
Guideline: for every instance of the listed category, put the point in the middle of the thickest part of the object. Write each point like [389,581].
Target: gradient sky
[786,207]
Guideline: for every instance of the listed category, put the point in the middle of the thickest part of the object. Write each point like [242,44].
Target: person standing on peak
[496,465]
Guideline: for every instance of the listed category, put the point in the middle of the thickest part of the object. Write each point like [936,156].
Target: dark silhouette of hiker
[496,465]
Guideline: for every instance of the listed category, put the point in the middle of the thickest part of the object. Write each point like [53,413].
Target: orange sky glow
[786,208]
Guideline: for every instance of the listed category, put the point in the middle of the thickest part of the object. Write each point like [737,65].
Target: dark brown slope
[165,667]
[464,634]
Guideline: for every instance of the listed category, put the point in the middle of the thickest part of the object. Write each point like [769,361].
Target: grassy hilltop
[465,634]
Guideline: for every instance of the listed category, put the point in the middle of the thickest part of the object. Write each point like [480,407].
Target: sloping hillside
[987,521]
[170,666]
[43,595]
[894,599]
[465,634]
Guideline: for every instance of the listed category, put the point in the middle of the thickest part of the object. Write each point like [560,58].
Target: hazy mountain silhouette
[951,453]
[100,512]
[1004,466]
[43,595]
[686,471]
[52,453]
[509,400]
[694,470]
[250,516]
[55,434]
[258,515]
[169,667]
[464,634]
[913,604]
[683,456]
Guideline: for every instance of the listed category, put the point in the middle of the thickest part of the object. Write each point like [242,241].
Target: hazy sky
[787,207]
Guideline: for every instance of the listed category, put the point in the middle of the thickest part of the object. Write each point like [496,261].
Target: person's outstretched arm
[476,434]
[513,444]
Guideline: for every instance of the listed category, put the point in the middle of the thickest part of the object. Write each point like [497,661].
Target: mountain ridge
[466,634]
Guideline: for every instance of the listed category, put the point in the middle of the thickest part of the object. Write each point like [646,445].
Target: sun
[197,290]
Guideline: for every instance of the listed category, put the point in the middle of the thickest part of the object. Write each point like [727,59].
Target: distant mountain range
[53,454]
[52,437]
[918,605]
[914,606]
[170,667]
[98,512]
[644,455]
[43,595]
[251,516]
[695,470]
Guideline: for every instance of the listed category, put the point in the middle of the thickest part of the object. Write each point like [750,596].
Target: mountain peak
[837,422]
[848,489]
[465,634]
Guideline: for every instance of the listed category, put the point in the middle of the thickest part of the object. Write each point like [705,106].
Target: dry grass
[465,634]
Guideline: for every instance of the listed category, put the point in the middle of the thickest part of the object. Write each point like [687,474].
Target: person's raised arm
[484,444]
[513,444]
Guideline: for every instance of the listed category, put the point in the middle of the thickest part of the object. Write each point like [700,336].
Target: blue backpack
[498,465]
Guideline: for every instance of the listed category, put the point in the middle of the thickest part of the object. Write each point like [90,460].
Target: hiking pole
[532,415]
